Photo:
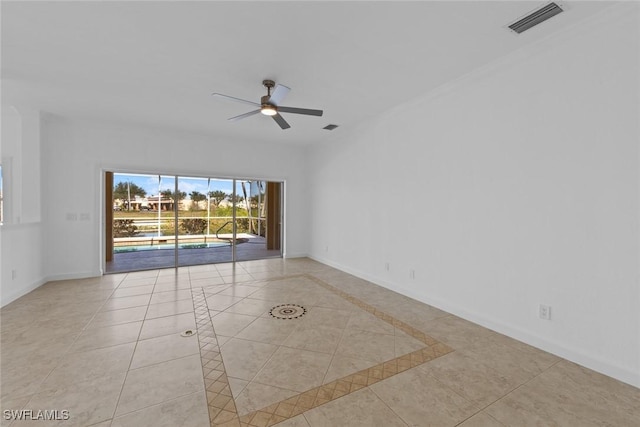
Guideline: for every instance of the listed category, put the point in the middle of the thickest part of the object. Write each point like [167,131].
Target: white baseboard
[562,350]
[578,356]
[295,255]
[9,297]
[72,276]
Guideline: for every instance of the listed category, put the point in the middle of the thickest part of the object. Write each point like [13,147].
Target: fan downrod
[269,84]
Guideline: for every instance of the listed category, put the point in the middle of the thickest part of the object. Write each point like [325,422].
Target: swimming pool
[136,248]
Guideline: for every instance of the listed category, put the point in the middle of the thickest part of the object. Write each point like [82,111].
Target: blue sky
[150,183]
[186,184]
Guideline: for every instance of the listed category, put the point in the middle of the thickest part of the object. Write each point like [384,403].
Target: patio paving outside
[253,249]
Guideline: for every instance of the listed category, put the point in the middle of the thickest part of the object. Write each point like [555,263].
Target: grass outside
[138,223]
[150,215]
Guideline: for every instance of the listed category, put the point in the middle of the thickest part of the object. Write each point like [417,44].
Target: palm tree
[124,191]
[217,196]
[197,197]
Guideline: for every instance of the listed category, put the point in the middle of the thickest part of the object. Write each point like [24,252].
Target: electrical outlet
[326,248]
[386,266]
[544,312]
[14,274]
[412,274]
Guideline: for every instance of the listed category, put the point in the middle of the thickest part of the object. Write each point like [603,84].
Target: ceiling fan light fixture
[270,105]
[268,110]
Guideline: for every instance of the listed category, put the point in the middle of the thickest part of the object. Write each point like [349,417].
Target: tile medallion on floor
[301,366]
[359,355]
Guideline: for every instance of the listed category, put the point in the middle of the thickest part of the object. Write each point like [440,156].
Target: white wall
[516,186]
[22,263]
[76,152]
[21,239]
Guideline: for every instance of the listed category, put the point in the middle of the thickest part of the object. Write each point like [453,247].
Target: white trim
[20,292]
[572,354]
[35,285]
[74,276]
[296,255]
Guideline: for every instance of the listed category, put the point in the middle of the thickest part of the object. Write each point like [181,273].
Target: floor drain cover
[187,333]
[287,311]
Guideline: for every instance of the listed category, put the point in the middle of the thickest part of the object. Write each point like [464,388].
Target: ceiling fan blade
[245,115]
[278,94]
[233,98]
[306,111]
[281,121]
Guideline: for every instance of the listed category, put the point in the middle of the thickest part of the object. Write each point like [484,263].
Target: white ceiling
[156,63]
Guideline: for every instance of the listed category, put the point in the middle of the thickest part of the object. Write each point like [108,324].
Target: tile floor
[109,351]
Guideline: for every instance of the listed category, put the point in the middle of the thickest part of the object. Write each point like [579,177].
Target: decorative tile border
[222,409]
[404,327]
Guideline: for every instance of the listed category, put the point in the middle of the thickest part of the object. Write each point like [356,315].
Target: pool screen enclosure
[159,221]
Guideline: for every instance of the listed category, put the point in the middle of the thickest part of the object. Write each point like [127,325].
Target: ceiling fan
[270,104]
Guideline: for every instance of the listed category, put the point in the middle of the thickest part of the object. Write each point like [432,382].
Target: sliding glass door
[160,221]
[204,221]
[252,221]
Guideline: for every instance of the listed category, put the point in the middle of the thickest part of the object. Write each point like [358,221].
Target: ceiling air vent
[536,17]
[330,127]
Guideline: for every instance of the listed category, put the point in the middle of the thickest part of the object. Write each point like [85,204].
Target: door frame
[107,218]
